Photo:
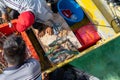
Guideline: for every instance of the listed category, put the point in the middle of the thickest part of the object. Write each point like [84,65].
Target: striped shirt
[39,7]
[30,70]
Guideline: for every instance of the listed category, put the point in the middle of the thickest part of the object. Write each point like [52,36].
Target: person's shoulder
[31,65]
[31,62]
[2,76]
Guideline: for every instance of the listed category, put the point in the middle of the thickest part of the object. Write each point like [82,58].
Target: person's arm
[3,7]
[3,10]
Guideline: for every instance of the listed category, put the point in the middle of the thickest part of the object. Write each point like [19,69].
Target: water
[102,62]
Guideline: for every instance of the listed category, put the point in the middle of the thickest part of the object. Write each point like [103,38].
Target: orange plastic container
[4,29]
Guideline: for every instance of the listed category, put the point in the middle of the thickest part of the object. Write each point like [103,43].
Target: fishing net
[3,63]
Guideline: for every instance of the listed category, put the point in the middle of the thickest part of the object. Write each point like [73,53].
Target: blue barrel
[77,12]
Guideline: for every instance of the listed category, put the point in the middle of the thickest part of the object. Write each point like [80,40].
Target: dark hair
[14,49]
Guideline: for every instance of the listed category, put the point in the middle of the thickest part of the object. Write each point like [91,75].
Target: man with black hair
[19,68]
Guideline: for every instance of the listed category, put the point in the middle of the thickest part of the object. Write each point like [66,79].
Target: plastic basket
[73,7]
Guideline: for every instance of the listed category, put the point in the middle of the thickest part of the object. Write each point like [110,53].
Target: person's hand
[5,17]
[45,76]
[39,33]
[49,30]
[42,32]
